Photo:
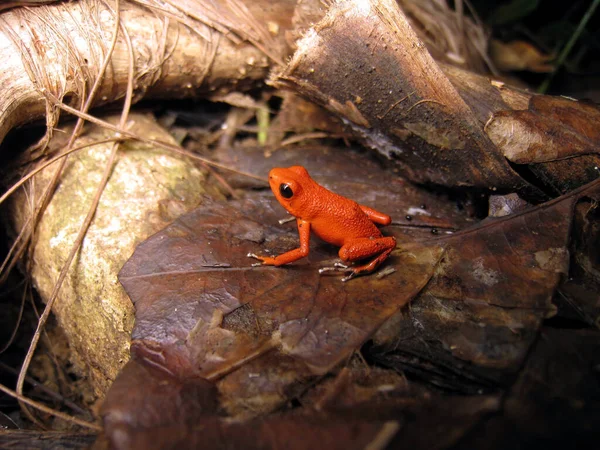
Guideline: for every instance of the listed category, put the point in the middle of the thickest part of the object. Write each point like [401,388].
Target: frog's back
[337,219]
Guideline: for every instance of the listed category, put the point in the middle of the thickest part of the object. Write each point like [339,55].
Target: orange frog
[335,219]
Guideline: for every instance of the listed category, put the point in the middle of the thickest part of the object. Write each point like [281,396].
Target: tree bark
[195,48]
[439,124]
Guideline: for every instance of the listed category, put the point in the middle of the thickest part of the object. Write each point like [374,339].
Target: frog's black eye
[285,190]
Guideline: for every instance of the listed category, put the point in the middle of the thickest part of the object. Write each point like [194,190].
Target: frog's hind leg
[361,249]
[369,267]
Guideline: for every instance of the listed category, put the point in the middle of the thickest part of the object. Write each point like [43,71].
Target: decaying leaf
[264,335]
[482,306]
[579,297]
[519,55]
[244,311]
[204,274]
[402,418]
[487,298]
[554,399]
[227,354]
[552,128]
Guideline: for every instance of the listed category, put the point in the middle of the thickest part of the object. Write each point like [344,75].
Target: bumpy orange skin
[335,219]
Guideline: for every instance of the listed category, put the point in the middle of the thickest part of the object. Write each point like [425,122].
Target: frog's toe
[337,267]
[351,275]
[255,256]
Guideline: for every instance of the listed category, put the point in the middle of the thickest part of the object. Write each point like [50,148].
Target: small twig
[302,137]
[156,142]
[14,253]
[385,272]
[263,119]
[416,225]
[44,408]
[420,102]
[396,103]
[17,322]
[20,3]
[385,435]
[37,170]
[362,359]
[49,392]
[75,248]
[221,180]
[341,381]
[220,372]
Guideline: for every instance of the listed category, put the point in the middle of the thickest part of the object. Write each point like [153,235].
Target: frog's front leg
[363,248]
[376,216]
[292,255]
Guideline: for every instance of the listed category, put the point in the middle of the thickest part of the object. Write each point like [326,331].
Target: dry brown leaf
[519,55]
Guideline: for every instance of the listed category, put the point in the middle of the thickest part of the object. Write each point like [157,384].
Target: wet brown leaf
[174,414]
[491,290]
[203,275]
[579,297]
[555,398]
[265,335]
[553,128]
[203,310]
[287,432]
[326,430]
[162,400]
